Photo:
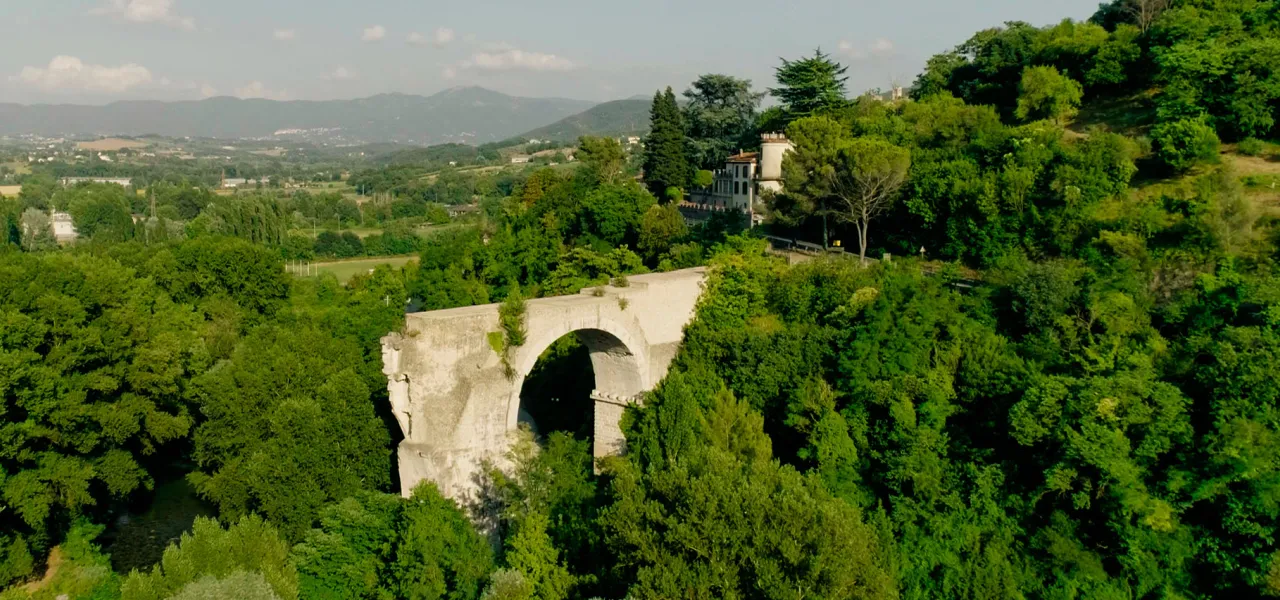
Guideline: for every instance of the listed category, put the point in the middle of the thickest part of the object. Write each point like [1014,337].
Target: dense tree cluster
[1212,59]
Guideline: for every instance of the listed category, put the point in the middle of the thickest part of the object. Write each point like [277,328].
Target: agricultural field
[18,167]
[344,270]
[111,145]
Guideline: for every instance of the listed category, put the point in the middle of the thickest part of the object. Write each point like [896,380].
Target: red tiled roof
[744,157]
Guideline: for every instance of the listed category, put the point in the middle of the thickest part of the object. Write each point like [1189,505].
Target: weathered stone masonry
[456,406]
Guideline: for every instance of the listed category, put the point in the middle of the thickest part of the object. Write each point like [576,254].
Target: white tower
[773,146]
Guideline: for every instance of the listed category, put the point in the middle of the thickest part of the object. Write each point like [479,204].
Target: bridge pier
[608,439]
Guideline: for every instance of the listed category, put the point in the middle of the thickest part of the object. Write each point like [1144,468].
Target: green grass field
[344,270]
[20,168]
[365,232]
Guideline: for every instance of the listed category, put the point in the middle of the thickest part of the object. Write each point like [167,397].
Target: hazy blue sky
[97,51]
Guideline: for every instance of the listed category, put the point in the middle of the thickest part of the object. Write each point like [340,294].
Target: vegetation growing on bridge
[511,315]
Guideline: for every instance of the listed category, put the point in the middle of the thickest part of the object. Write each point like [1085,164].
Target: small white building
[64,229]
[120,181]
[519,160]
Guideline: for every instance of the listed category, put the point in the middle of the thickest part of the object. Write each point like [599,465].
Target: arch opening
[556,394]
[561,386]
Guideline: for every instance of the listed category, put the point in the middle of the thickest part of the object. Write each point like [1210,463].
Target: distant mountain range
[470,115]
[620,117]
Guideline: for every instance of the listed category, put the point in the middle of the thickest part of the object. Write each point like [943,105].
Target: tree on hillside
[810,85]
[36,232]
[700,509]
[1144,12]
[985,69]
[249,547]
[438,552]
[721,114]
[100,211]
[603,157]
[806,171]
[266,410]
[612,213]
[385,546]
[259,219]
[660,227]
[869,173]
[1045,93]
[96,365]
[1183,144]
[665,162]
[853,179]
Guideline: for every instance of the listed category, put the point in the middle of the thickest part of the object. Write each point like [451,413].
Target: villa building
[745,176]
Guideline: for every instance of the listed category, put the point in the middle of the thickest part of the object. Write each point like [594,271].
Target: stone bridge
[458,405]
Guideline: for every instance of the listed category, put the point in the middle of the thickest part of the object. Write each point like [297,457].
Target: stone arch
[619,363]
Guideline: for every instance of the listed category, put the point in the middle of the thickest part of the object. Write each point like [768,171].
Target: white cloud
[70,73]
[285,35]
[255,89]
[374,34]
[443,36]
[847,48]
[449,72]
[339,74]
[146,11]
[208,91]
[878,48]
[513,59]
[440,38]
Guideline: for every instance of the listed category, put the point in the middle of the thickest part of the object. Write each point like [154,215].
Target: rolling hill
[620,117]
[470,114]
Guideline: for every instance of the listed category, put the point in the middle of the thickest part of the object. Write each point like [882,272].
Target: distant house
[64,230]
[519,160]
[633,140]
[120,181]
[234,182]
[458,210]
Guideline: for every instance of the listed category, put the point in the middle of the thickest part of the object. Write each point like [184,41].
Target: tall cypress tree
[666,164]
